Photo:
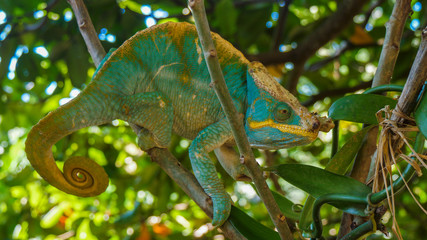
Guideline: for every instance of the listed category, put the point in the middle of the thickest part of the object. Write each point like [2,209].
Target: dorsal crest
[265,81]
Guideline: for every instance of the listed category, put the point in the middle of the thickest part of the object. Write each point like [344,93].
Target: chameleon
[158,80]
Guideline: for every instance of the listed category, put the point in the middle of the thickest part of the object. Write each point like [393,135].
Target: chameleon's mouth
[292,129]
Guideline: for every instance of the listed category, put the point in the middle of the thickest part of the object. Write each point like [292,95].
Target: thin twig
[163,157]
[219,85]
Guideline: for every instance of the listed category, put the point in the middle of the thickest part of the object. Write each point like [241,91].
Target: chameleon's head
[275,119]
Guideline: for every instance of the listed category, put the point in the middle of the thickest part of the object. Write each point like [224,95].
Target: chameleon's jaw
[285,128]
[283,135]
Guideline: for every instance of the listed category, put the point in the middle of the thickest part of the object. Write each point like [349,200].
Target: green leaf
[342,159]
[249,227]
[133,6]
[359,107]
[318,182]
[421,115]
[286,206]
[338,164]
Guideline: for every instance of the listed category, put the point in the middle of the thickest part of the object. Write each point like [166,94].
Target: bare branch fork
[219,85]
[163,157]
[386,64]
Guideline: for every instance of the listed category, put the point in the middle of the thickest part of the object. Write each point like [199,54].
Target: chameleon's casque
[158,80]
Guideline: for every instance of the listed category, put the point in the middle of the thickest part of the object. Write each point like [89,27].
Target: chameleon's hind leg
[207,140]
[153,113]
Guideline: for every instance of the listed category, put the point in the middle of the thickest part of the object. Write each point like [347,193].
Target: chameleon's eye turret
[282,113]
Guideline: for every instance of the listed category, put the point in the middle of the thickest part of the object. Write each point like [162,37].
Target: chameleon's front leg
[207,140]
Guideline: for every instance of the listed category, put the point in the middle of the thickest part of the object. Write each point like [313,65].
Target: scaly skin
[158,80]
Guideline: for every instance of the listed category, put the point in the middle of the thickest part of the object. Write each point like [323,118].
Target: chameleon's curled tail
[81,176]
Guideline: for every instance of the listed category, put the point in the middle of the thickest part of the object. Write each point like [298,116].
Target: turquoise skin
[158,80]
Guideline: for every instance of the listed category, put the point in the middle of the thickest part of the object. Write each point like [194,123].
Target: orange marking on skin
[111,86]
[160,69]
[126,109]
[154,41]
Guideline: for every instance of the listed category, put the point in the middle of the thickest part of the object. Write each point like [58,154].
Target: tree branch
[319,37]
[416,79]
[219,85]
[330,28]
[163,157]
[387,61]
[87,31]
[348,44]
[391,46]
[189,184]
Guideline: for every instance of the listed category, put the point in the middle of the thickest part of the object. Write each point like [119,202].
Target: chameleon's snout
[316,123]
[322,124]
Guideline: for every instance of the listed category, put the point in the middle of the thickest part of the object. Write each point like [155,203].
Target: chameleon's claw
[221,210]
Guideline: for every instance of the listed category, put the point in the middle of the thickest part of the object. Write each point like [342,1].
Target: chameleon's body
[158,80]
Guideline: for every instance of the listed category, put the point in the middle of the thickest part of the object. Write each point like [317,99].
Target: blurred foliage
[44,63]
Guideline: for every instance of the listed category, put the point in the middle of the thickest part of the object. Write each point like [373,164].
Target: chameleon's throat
[292,129]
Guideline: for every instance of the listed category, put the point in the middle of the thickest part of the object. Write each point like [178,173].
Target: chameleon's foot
[221,209]
[147,141]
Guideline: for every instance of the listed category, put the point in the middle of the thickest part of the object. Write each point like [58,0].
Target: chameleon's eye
[282,113]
